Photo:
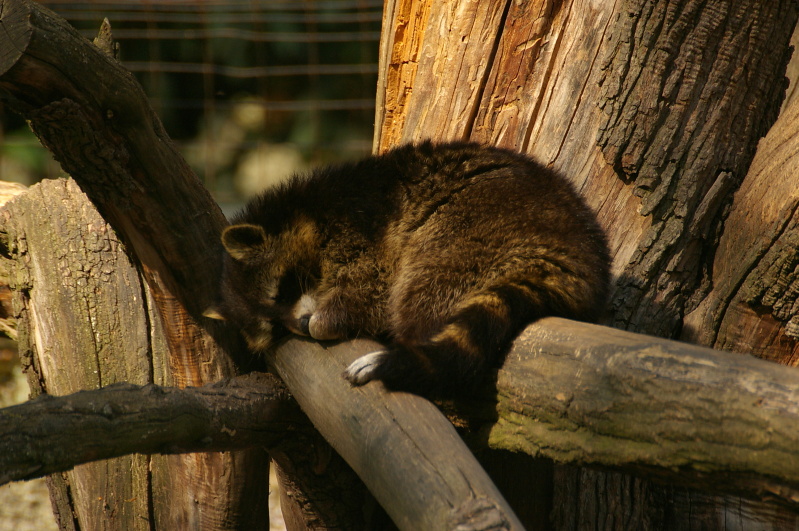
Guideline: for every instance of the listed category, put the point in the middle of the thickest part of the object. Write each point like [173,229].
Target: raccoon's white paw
[363,369]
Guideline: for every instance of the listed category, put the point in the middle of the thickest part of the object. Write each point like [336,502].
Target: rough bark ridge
[654,111]
[677,78]
[753,304]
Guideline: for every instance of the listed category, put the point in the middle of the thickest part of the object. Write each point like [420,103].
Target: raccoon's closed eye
[289,289]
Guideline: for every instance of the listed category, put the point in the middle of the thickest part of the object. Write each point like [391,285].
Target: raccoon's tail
[456,360]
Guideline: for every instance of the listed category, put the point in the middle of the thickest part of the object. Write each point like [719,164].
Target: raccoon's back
[477,210]
[411,180]
[499,232]
[447,250]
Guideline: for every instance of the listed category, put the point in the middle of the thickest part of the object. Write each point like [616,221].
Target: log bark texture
[573,392]
[654,111]
[583,394]
[53,434]
[579,394]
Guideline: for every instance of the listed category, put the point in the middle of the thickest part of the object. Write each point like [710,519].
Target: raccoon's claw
[365,368]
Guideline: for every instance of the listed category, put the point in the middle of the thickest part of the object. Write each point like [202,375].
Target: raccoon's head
[269,280]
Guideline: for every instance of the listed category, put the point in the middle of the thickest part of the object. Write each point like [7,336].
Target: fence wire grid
[249,90]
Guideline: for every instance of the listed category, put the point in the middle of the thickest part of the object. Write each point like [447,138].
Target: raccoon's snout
[304,321]
[299,320]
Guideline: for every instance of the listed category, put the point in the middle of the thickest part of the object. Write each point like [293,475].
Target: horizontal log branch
[586,394]
[54,434]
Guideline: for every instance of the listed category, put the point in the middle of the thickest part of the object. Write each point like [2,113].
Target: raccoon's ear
[244,242]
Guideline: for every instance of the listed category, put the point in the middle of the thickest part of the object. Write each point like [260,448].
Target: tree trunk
[654,111]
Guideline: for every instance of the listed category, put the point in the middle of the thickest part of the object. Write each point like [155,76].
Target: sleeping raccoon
[443,251]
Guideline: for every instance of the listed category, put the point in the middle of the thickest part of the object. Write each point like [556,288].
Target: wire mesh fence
[250,90]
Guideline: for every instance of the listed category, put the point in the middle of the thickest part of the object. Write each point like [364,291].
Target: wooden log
[8,324]
[573,392]
[404,449]
[576,393]
[75,295]
[86,319]
[695,416]
[53,434]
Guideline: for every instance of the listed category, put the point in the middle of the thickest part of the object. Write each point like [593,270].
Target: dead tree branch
[53,434]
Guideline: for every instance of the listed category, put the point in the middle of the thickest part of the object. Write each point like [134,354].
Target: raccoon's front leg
[408,368]
[454,357]
[366,368]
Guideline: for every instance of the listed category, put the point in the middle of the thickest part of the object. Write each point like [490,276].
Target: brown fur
[445,251]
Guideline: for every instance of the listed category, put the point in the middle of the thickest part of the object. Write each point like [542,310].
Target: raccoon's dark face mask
[269,282]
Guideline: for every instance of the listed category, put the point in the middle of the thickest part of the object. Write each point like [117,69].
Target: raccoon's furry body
[445,251]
